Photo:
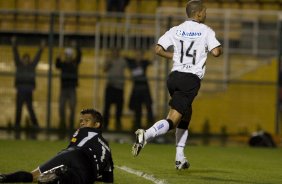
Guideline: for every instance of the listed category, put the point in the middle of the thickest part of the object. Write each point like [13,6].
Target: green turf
[210,164]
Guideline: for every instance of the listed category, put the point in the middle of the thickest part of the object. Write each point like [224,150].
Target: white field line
[142,174]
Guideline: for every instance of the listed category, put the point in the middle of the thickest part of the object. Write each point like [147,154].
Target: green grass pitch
[209,164]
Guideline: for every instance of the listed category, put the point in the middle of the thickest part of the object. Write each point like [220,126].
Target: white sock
[181,136]
[159,128]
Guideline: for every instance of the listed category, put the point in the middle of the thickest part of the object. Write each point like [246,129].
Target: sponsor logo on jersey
[188,34]
[73,139]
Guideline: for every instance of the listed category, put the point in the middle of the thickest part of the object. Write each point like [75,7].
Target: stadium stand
[30,21]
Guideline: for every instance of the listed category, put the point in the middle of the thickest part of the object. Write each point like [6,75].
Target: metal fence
[238,93]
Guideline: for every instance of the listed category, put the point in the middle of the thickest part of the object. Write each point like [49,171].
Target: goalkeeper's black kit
[88,159]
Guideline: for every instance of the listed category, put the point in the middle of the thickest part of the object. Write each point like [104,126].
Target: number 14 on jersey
[191,54]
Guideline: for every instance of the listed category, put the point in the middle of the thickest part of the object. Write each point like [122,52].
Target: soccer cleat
[183,164]
[2,178]
[139,142]
[52,175]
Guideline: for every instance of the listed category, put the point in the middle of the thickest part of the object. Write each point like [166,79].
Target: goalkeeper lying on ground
[87,158]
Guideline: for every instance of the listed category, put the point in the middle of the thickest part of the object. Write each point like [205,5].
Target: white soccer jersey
[191,41]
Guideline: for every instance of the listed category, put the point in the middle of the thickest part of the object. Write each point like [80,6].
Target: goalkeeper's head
[91,118]
[196,10]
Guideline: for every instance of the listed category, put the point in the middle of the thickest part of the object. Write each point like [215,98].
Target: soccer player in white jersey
[192,41]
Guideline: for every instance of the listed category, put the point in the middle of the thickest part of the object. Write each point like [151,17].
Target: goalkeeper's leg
[16,177]
[53,175]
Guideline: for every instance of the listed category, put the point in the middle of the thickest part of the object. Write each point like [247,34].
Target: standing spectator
[140,94]
[117,5]
[68,63]
[25,83]
[115,67]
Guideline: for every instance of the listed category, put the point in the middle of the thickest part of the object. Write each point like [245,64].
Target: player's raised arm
[163,53]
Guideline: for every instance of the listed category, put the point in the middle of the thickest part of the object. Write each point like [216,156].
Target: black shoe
[2,178]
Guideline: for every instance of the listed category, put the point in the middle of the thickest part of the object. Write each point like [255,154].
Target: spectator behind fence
[25,83]
[117,5]
[140,94]
[68,62]
[115,66]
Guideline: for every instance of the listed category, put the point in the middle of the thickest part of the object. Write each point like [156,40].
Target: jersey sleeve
[212,42]
[166,39]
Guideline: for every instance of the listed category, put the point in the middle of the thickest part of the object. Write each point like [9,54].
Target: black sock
[171,126]
[20,176]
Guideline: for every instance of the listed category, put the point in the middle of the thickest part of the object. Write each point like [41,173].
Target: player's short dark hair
[193,6]
[97,116]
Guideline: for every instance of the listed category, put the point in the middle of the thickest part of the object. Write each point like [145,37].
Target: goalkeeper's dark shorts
[79,167]
[183,88]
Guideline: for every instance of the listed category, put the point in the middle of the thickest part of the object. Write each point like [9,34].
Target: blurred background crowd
[59,56]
